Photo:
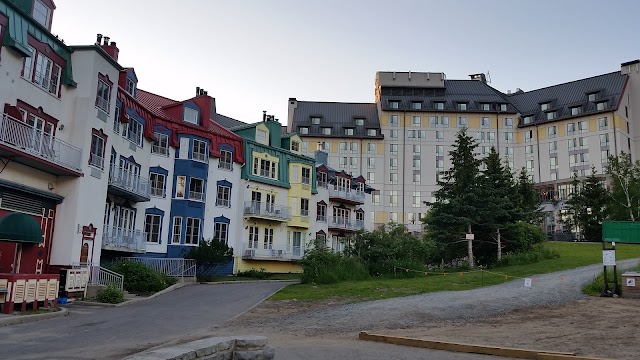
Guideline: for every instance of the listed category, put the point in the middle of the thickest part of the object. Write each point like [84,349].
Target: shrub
[110,295]
[324,267]
[139,278]
[209,254]
[254,274]
[535,254]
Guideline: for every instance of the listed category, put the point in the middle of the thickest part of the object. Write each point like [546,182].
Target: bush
[536,254]
[254,274]
[324,267]
[110,295]
[139,278]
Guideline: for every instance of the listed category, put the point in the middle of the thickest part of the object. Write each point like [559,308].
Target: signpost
[609,259]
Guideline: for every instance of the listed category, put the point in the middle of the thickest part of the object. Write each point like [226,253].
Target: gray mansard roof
[337,116]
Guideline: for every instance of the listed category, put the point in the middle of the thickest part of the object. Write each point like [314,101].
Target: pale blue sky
[254,55]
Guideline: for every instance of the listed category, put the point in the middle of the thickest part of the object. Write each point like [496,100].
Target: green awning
[19,227]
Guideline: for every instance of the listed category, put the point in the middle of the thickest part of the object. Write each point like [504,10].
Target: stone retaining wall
[215,348]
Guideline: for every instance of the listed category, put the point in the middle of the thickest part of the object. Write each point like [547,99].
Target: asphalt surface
[111,333]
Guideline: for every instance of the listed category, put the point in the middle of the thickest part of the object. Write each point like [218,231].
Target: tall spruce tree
[573,207]
[529,202]
[458,201]
[595,196]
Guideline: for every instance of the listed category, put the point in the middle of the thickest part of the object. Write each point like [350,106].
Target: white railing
[199,157]
[103,104]
[260,208]
[273,253]
[321,218]
[342,222]
[101,276]
[158,192]
[196,195]
[346,194]
[114,238]
[129,181]
[20,136]
[96,160]
[176,267]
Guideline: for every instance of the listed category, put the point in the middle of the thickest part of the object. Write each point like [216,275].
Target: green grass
[219,278]
[595,287]
[572,255]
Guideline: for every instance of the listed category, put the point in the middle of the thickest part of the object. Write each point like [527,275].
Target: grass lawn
[572,255]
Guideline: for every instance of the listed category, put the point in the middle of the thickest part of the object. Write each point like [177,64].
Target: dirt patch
[595,326]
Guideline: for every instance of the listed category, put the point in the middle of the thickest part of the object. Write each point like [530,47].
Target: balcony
[29,146]
[301,220]
[128,185]
[340,223]
[273,254]
[128,240]
[196,195]
[267,211]
[346,195]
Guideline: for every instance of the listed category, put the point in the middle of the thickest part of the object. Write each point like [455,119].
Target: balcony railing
[196,195]
[158,192]
[129,183]
[225,165]
[223,202]
[321,218]
[24,138]
[341,222]
[264,209]
[114,238]
[273,253]
[160,150]
[347,194]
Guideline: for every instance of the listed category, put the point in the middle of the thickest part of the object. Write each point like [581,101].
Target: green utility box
[621,232]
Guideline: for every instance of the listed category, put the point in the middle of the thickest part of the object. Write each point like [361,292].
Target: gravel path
[397,313]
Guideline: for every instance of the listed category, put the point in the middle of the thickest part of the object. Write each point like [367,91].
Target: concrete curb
[247,282]
[22,319]
[134,300]
[474,349]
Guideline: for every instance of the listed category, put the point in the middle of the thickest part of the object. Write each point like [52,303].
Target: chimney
[98,39]
[630,67]
[109,47]
[197,90]
[264,115]
[508,92]
[479,77]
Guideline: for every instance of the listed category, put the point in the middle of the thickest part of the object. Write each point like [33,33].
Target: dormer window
[544,106]
[42,13]
[462,106]
[527,119]
[416,105]
[601,105]
[438,105]
[261,136]
[576,110]
[190,115]
[295,146]
[503,107]
[592,96]
[130,87]
[485,106]
[372,132]
[315,120]
[348,131]
[394,104]
[359,122]
[303,130]
[551,115]
[326,131]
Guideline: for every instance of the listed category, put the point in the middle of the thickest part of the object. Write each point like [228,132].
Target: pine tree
[594,196]
[458,201]
[574,206]
[528,203]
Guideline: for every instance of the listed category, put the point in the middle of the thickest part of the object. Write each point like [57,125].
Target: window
[530,166]
[371,148]
[416,149]
[303,130]
[264,168]
[196,189]
[261,136]
[324,146]
[326,131]
[544,106]
[306,175]
[462,106]
[375,198]
[371,163]
[553,147]
[394,120]
[321,178]
[224,196]
[393,148]
[508,123]
[444,121]
[342,147]
[416,177]
[411,134]
[508,137]
[417,121]
[157,184]
[393,178]
[394,134]
[359,122]
[226,160]
[583,142]
[103,97]
[253,237]
[134,132]
[553,163]
[592,96]
[491,136]
[438,105]
[304,147]
[416,105]
[527,119]
[433,121]
[486,150]
[439,150]
[485,106]
[416,199]
[130,87]
[416,164]
[393,197]
[96,156]
[116,121]
[192,235]
[554,176]
[572,143]
[604,157]
[583,126]
[552,131]
[528,136]
[321,212]
[440,165]
[571,128]
[304,207]
[509,152]
[604,139]
[199,149]
[551,115]
[480,136]
[160,145]
[576,110]
[601,105]
[41,13]
[485,123]
[152,228]
[422,134]
[462,121]
[393,163]
[394,104]
[439,136]
[393,216]
[176,234]
[315,120]
[603,123]
[528,150]
[221,232]
[371,177]
[372,132]
[503,107]
[181,182]
[295,146]
[348,131]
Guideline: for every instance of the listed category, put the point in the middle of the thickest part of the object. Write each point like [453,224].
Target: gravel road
[397,313]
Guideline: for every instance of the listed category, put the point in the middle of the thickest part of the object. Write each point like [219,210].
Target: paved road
[110,333]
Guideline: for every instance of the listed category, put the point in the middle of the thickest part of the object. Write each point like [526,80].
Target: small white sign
[527,282]
[631,282]
[608,257]
[469,237]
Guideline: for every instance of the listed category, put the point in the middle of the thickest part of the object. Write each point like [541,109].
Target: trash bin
[631,285]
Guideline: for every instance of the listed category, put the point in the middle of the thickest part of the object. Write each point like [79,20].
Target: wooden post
[472,263]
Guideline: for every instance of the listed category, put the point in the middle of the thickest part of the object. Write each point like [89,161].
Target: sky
[253,55]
